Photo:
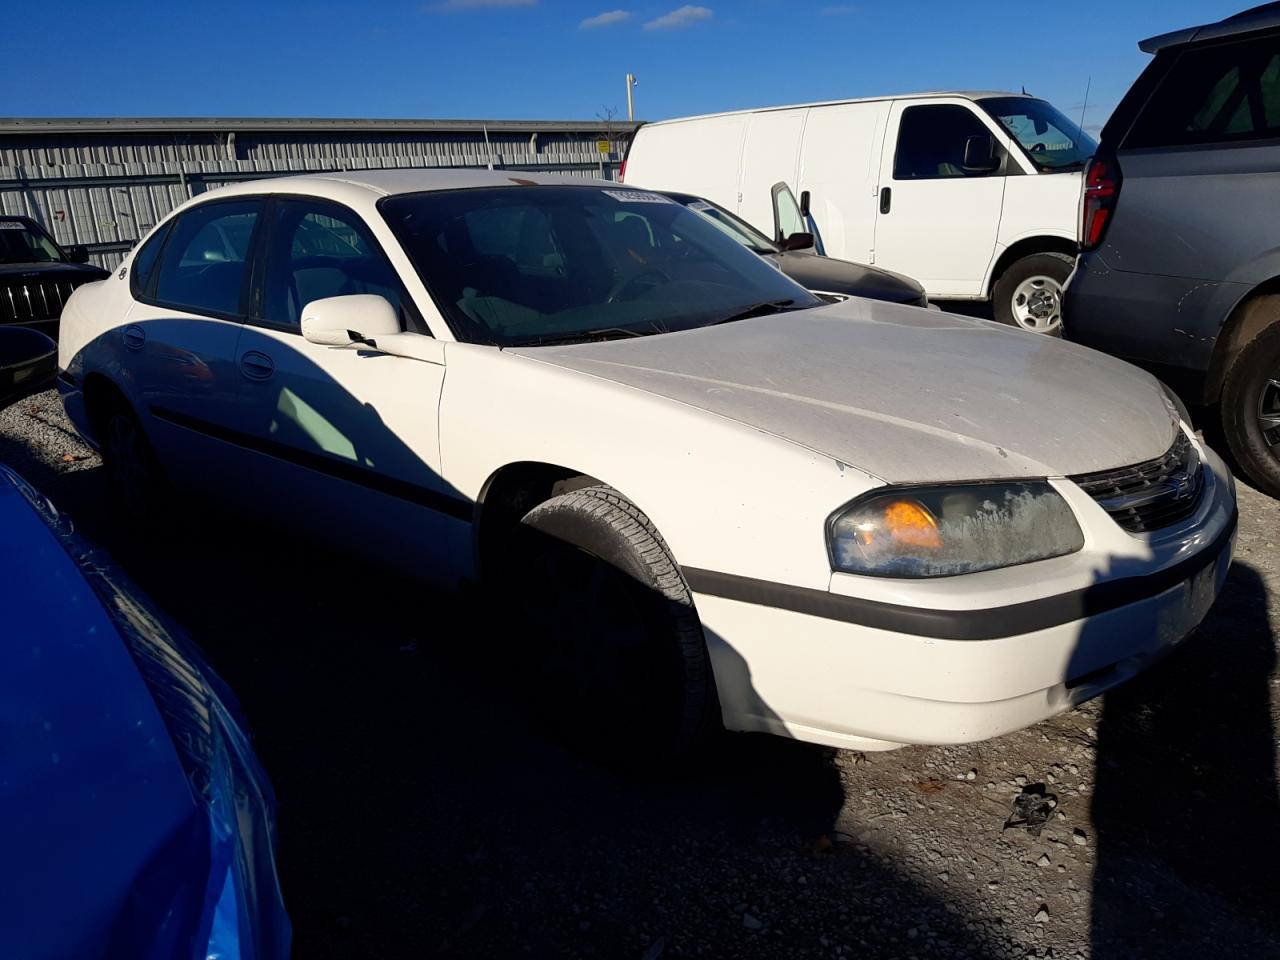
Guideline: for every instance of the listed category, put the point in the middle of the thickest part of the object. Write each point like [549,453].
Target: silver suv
[1179,267]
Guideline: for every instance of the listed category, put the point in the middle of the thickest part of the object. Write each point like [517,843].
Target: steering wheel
[1038,148]
[650,276]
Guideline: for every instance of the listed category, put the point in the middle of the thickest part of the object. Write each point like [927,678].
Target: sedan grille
[1151,495]
[27,301]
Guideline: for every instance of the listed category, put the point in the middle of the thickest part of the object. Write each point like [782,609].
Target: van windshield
[530,265]
[1052,141]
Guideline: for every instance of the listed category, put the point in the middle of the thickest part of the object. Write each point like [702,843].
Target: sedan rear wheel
[135,482]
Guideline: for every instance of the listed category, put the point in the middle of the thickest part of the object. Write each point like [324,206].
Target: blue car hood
[136,821]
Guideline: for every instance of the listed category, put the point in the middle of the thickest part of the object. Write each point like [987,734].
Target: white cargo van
[973,194]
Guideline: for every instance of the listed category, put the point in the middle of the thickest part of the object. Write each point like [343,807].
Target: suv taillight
[622,172]
[1098,200]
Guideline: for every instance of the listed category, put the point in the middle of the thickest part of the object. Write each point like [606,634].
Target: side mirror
[980,154]
[342,321]
[798,241]
[804,204]
[78,253]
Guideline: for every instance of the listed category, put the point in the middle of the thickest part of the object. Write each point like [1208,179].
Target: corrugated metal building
[106,182]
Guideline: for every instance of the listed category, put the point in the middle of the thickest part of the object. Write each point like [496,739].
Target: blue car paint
[135,820]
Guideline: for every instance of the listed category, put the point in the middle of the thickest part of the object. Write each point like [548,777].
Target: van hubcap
[1269,412]
[1037,304]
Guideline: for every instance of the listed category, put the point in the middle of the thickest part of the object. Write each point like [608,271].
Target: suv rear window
[1224,93]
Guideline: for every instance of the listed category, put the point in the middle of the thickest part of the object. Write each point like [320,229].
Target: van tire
[1250,391]
[1028,295]
[615,648]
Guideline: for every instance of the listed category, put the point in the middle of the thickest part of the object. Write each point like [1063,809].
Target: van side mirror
[355,318]
[798,241]
[980,154]
[78,253]
[804,204]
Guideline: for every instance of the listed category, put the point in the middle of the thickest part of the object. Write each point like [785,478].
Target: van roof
[1246,21]
[963,94]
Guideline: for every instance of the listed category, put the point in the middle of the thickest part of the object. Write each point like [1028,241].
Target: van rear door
[938,217]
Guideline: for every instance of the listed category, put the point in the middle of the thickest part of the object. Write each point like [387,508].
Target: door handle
[257,366]
[134,337]
[886,199]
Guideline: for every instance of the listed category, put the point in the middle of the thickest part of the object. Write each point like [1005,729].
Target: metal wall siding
[107,189]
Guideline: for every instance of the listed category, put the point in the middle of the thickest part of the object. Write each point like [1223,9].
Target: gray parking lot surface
[421,814]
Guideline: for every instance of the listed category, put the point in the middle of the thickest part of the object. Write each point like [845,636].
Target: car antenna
[1084,106]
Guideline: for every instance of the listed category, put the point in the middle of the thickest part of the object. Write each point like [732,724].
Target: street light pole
[631,82]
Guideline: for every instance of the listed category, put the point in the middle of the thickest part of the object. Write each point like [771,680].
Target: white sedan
[702,495]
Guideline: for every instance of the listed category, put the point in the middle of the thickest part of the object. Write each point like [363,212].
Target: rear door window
[1220,94]
[204,263]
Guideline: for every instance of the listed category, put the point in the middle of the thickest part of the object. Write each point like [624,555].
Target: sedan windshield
[19,243]
[1051,140]
[554,264]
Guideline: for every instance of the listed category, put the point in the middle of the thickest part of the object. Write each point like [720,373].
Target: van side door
[942,178]
[840,167]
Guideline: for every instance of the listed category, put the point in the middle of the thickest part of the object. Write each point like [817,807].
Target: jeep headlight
[918,532]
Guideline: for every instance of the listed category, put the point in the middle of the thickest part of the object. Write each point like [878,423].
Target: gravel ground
[420,816]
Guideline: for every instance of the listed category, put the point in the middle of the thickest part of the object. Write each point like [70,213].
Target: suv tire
[1250,393]
[1028,294]
[617,656]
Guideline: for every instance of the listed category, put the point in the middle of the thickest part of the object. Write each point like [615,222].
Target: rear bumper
[1148,318]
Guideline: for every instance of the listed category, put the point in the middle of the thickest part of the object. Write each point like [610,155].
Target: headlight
[918,532]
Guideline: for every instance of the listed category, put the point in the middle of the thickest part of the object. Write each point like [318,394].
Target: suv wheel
[1029,293]
[613,650]
[1251,409]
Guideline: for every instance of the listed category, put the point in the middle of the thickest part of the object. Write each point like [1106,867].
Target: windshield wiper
[583,336]
[756,310]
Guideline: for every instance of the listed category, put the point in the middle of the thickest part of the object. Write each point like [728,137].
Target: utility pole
[631,82]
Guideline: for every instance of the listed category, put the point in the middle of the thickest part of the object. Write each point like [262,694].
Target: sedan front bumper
[863,675]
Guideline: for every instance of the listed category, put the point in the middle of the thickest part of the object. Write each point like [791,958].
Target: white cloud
[606,19]
[685,16]
[481,4]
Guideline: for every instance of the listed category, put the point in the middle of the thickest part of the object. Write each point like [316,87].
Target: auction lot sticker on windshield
[638,196]
[700,205]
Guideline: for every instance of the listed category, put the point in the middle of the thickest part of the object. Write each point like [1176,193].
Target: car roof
[962,94]
[387,183]
[1247,21]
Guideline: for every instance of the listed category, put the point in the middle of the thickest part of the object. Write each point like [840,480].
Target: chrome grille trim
[27,301]
[1152,495]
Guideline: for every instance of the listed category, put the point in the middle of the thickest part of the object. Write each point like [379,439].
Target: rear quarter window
[144,261]
[1222,93]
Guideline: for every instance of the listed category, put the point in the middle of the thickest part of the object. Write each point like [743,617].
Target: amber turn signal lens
[910,523]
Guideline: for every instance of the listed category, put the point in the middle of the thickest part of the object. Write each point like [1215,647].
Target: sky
[566,59]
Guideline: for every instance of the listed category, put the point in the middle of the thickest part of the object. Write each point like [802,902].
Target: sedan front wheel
[615,650]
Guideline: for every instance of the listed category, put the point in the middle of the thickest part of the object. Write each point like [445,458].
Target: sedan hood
[829,275]
[905,395]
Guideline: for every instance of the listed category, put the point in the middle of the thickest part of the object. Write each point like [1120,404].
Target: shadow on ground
[421,814]
[1186,810]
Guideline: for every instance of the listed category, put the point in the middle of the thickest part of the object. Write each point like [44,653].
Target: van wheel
[1029,293]
[612,651]
[1251,409]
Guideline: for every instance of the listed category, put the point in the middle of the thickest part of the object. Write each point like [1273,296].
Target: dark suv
[1179,267]
[37,276]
